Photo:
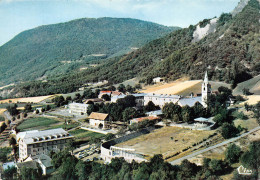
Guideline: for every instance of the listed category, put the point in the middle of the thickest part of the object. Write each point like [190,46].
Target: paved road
[178,161]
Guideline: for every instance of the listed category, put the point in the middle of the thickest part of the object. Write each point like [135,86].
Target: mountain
[227,47]
[60,48]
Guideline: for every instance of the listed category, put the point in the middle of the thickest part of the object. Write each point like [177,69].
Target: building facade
[34,143]
[161,99]
[98,120]
[78,108]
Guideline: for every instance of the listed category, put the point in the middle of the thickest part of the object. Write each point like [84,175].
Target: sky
[19,15]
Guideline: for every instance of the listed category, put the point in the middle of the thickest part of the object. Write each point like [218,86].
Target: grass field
[2,110]
[36,123]
[81,133]
[26,100]
[165,141]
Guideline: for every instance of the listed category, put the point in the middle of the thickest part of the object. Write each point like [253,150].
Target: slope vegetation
[60,48]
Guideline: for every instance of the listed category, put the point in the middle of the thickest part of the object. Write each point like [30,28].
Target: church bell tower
[206,90]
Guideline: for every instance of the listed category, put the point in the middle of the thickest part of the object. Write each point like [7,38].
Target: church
[205,93]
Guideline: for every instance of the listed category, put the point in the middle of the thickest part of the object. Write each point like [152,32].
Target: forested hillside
[231,53]
[60,48]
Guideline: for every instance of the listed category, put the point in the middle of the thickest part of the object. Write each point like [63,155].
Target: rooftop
[28,164]
[189,101]
[45,160]
[37,136]
[98,116]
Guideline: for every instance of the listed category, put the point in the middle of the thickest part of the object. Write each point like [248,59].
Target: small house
[98,120]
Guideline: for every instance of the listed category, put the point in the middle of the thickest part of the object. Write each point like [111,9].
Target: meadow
[36,123]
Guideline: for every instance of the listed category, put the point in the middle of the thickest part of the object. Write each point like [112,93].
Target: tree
[130,89]
[109,136]
[229,131]
[111,88]
[106,97]
[129,113]
[48,107]
[256,110]
[128,101]
[9,173]
[150,107]
[88,93]
[187,114]
[30,173]
[28,108]
[232,153]
[37,111]
[251,158]
[121,88]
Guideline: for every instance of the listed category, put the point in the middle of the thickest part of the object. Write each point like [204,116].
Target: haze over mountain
[60,48]
[228,47]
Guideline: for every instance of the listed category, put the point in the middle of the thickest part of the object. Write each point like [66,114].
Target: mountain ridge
[47,46]
[230,54]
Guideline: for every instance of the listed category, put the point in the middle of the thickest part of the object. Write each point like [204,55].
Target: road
[178,161]
[7,115]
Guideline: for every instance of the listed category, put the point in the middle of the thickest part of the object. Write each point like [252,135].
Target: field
[181,87]
[26,100]
[81,133]
[2,110]
[165,141]
[36,123]
[252,100]
[252,84]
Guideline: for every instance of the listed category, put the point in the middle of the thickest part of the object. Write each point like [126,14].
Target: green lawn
[81,133]
[66,127]
[36,123]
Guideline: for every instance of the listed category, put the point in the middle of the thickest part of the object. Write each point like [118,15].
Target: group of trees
[183,114]
[122,110]
[68,167]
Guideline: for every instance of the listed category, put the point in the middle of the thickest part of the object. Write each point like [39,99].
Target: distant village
[35,146]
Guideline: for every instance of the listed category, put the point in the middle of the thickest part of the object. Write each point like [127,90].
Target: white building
[161,99]
[78,108]
[35,143]
[157,79]
[205,90]
[98,120]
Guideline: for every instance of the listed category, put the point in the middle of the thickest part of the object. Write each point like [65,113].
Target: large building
[34,143]
[78,108]
[161,99]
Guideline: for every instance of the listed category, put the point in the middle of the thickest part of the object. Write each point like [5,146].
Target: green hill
[229,50]
[60,48]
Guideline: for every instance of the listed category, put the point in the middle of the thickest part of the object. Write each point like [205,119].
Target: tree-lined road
[178,161]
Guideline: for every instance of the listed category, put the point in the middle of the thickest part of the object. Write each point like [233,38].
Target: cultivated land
[252,100]
[181,87]
[37,123]
[27,100]
[166,141]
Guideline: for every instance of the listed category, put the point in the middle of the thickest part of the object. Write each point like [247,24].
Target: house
[78,108]
[139,98]
[109,93]
[45,164]
[28,164]
[34,143]
[8,165]
[138,120]
[98,120]
[157,79]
